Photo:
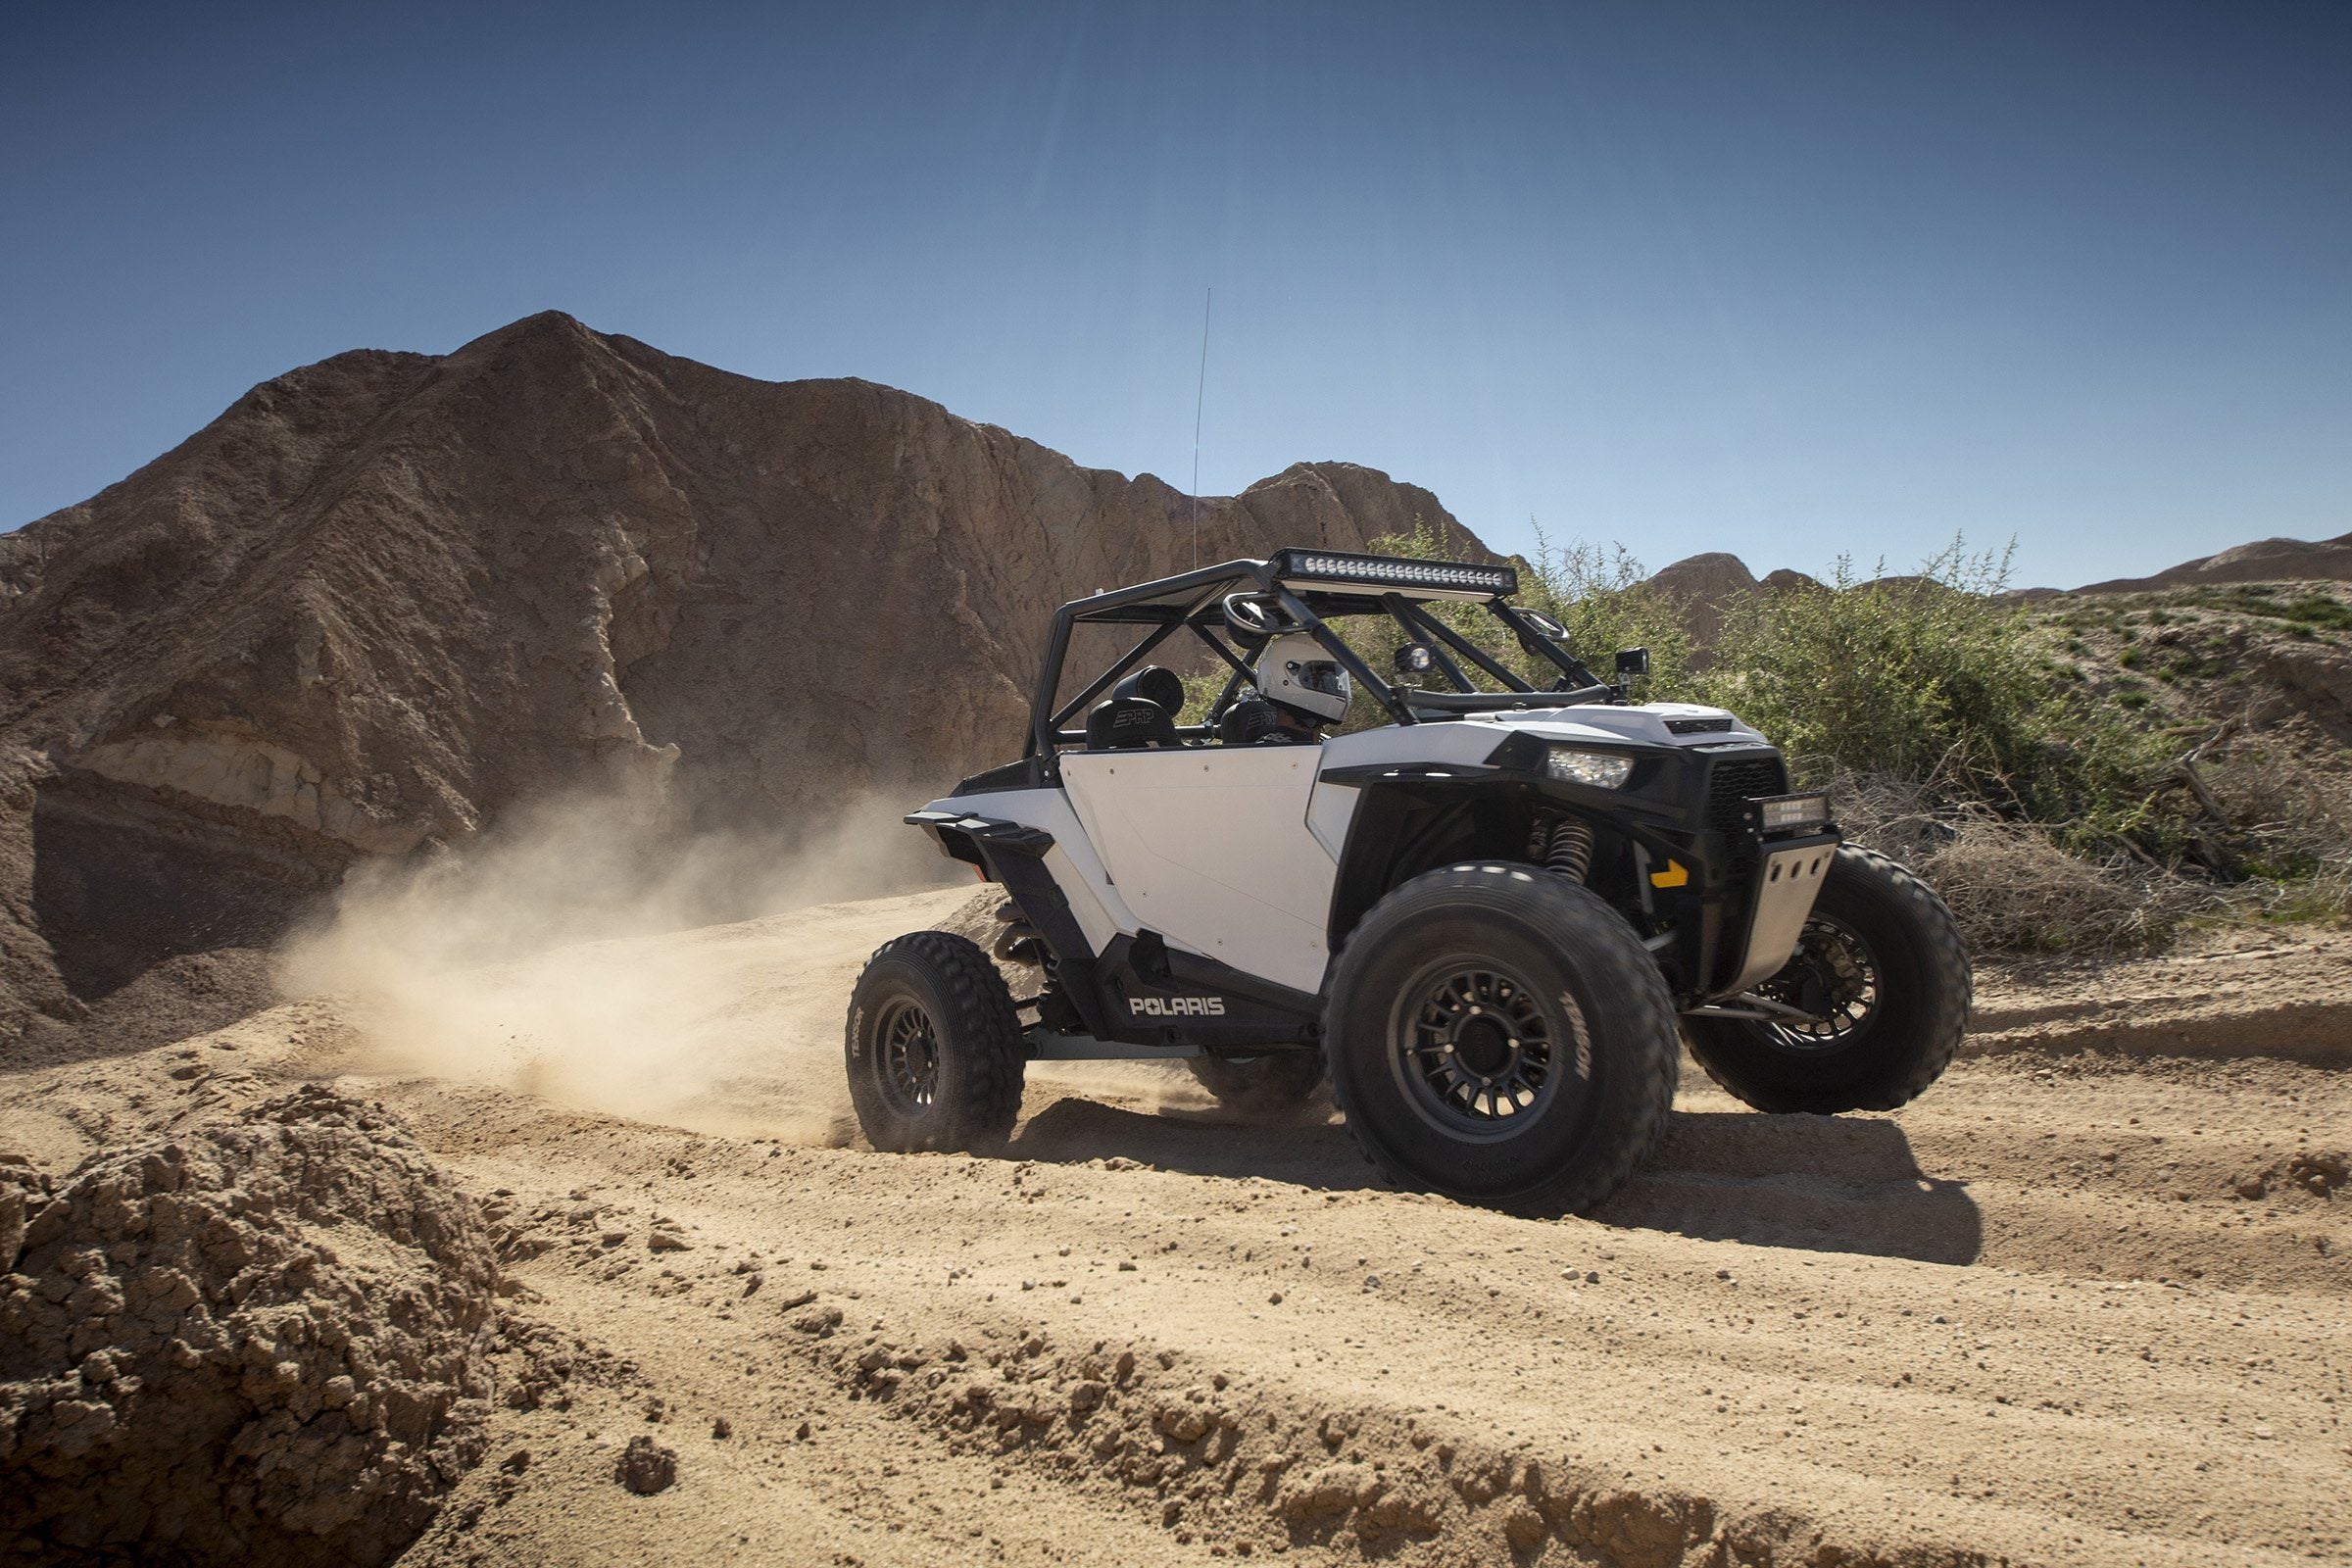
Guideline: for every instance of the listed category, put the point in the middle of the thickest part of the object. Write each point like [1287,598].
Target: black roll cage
[1193,600]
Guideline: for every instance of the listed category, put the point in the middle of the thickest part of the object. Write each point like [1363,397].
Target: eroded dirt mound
[259,1340]
[385,598]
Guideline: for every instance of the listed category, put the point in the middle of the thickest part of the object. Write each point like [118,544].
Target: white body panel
[1076,869]
[1231,851]
[1329,810]
[1211,849]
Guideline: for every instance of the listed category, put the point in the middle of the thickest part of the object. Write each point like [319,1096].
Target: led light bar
[1331,569]
[1780,812]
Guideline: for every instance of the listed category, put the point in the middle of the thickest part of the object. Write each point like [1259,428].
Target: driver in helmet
[1306,687]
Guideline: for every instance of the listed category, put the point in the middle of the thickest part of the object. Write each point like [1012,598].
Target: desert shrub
[1604,601]
[1938,679]
[2013,889]
[1932,678]
[2011,886]
[1202,688]
[2280,816]
[2325,895]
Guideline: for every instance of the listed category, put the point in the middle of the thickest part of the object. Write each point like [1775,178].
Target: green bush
[1934,678]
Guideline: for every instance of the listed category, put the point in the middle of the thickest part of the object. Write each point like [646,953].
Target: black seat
[1247,722]
[1126,723]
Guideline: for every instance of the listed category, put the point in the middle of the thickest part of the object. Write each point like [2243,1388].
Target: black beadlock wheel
[934,1047]
[1884,979]
[1274,1083]
[1498,1034]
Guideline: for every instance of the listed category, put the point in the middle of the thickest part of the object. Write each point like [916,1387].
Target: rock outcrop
[385,598]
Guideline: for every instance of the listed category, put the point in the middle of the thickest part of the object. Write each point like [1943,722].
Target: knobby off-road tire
[1273,1083]
[1883,955]
[1564,1051]
[934,1048]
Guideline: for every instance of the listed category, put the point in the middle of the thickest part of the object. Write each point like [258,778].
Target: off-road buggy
[1490,921]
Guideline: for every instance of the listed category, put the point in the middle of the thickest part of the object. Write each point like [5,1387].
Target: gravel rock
[647,1467]
[263,1340]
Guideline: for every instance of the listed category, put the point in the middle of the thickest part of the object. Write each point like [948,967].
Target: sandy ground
[2085,1303]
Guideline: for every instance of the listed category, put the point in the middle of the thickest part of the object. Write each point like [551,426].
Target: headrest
[1154,685]
[1121,723]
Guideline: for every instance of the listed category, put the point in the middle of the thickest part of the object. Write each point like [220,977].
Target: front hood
[1650,725]
[1473,739]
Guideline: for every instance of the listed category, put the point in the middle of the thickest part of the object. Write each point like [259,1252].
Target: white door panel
[1210,848]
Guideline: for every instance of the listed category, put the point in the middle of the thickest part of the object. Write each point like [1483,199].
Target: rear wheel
[932,1047]
[1273,1083]
[1498,1034]
[1883,981]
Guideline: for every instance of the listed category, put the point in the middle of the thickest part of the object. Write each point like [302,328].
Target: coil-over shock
[1562,844]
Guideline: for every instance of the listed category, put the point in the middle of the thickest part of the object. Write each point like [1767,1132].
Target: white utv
[1490,920]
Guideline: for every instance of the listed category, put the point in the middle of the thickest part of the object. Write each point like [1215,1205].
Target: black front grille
[1730,787]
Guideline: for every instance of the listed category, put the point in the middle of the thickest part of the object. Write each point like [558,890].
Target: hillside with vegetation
[2073,771]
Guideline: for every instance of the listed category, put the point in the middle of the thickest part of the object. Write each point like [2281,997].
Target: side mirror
[1632,662]
[1413,659]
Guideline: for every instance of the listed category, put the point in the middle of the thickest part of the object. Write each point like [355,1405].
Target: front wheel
[1884,980]
[1498,1034]
[934,1047]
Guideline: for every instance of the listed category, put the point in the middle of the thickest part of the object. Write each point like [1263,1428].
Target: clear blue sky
[1781,280]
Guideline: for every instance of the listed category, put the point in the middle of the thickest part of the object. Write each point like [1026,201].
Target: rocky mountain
[1699,587]
[1702,584]
[2262,561]
[386,597]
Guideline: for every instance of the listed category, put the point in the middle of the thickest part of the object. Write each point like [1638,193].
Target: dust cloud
[596,953]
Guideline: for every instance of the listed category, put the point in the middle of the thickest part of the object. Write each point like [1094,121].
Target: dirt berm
[256,1341]
[2083,1303]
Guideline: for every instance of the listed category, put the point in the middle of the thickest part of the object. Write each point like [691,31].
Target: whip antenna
[1200,400]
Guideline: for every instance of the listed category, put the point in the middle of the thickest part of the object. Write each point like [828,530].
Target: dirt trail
[2075,1307]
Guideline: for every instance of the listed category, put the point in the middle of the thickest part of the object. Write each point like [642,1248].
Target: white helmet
[1299,673]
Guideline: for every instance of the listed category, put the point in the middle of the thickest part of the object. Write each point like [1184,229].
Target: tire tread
[984,1023]
[1947,955]
[1630,975]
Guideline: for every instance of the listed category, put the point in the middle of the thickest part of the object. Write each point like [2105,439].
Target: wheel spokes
[1838,967]
[1479,1046]
[910,1056]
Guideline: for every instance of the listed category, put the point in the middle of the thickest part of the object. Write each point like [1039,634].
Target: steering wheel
[1259,615]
